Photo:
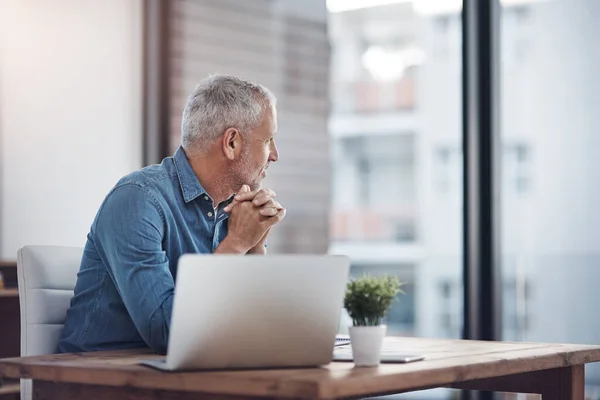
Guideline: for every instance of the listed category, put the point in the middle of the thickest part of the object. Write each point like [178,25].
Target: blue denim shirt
[124,292]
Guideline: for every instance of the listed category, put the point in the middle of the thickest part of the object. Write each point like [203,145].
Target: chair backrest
[46,277]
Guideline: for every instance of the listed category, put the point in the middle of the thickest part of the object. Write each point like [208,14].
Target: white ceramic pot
[366,342]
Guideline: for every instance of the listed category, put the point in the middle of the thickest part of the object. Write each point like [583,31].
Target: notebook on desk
[341,340]
[390,353]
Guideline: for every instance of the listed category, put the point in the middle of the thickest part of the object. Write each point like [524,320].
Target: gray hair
[220,102]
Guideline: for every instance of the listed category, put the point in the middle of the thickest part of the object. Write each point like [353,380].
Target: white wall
[70,114]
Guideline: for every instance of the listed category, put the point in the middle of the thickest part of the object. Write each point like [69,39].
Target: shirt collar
[190,185]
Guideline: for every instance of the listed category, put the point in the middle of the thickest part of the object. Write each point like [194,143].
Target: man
[124,292]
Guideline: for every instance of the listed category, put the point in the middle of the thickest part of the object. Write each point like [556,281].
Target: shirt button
[210,214]
[205,197]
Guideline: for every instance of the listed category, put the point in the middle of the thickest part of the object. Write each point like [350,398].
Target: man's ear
[232,143]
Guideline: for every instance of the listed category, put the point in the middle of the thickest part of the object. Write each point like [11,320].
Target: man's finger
[280,215]
[248,195]
[259,197]
[270,208]
[272,204]
[275,218]
[251,194]
[269,211]
[229,207]
[263,198]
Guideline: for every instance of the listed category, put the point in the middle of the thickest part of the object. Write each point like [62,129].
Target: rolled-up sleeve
[128,236]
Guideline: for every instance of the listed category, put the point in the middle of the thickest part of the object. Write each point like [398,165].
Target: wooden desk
[555,370]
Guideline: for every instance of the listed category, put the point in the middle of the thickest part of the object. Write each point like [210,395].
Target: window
[551,183]
[396,209]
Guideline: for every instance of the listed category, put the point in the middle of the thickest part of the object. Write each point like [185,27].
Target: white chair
[46,277]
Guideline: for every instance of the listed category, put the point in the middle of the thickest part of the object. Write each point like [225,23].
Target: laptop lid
[233,311]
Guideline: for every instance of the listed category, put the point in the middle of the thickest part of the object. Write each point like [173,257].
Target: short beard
[241,169]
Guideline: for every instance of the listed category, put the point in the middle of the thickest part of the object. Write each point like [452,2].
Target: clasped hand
[252,214]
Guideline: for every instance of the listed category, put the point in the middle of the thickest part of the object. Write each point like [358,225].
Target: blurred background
[370,137]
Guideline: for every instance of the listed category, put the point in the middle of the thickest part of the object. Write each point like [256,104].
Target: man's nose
[274,156]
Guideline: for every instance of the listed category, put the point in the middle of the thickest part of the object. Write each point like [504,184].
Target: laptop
[238,312]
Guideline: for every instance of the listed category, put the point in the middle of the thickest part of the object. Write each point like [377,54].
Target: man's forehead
[273,120]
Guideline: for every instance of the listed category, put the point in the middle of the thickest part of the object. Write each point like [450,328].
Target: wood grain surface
[449,363]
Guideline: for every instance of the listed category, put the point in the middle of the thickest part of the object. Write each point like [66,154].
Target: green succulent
[368,299]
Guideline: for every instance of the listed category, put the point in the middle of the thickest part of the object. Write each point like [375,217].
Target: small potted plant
[368,300]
